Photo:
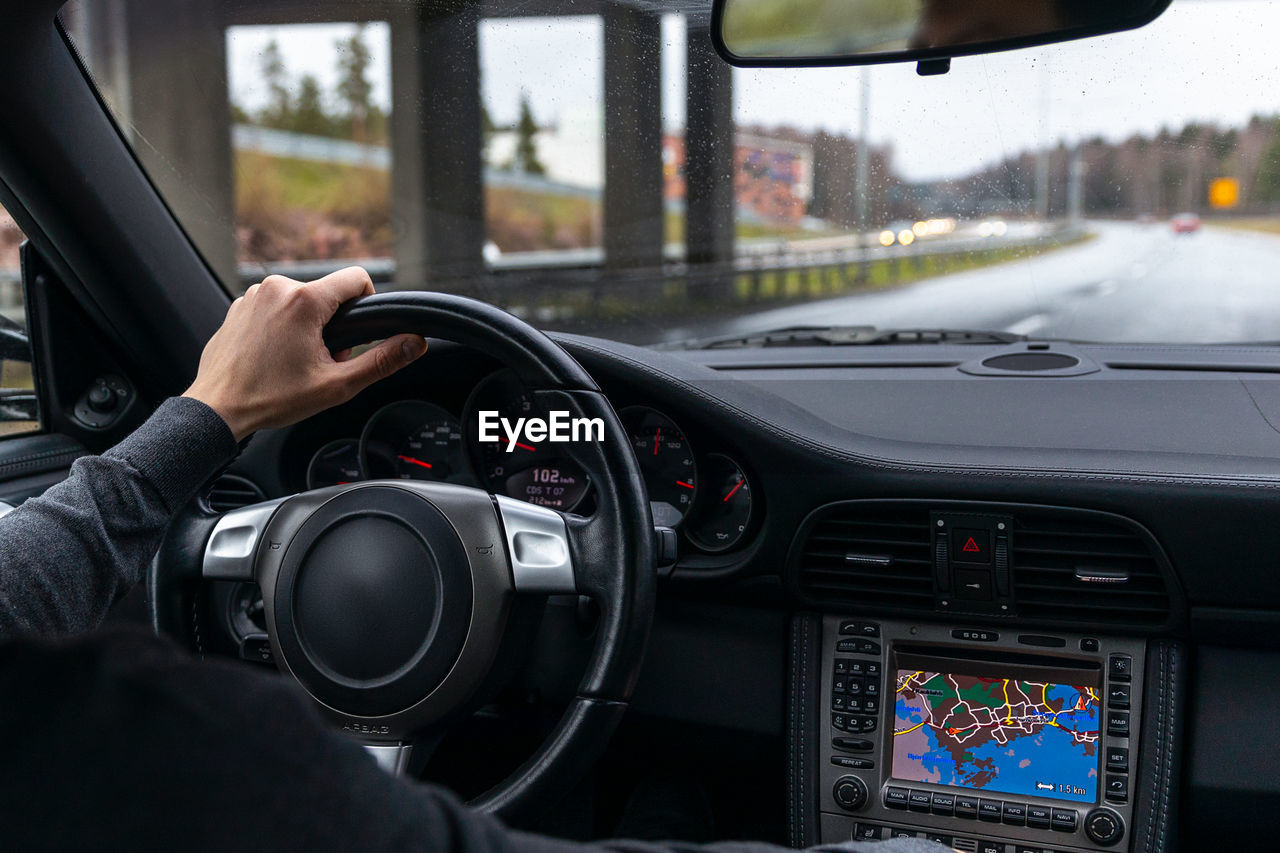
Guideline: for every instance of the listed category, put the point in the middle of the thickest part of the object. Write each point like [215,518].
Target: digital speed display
[555,486]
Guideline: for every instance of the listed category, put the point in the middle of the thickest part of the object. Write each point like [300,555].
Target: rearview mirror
[868,32]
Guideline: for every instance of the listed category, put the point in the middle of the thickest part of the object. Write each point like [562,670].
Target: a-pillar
[173,105]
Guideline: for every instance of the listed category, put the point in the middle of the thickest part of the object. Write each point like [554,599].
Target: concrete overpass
[162,65]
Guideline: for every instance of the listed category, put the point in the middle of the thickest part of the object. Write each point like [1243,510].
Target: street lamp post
[862,169]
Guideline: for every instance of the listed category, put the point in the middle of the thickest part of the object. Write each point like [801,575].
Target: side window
[18,412]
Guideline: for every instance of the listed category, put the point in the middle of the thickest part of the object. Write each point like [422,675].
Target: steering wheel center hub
[373,600]
[367,599]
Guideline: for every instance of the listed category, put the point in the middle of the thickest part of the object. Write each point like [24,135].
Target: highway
[1131,282]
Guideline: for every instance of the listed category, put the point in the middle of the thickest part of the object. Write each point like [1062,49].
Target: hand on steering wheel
[268,366]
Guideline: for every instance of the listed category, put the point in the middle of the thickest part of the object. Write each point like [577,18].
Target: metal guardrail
[748,282]
[575,284]
[528,275]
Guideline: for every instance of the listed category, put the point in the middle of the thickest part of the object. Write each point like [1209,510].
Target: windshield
[608,174]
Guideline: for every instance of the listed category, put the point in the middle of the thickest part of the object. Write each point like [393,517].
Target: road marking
[1028,325]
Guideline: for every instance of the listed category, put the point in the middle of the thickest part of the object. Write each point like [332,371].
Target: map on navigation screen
[997,734]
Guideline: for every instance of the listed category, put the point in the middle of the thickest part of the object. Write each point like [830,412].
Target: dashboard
[807,485]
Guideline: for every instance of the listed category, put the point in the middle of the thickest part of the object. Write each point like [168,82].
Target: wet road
[1130,283]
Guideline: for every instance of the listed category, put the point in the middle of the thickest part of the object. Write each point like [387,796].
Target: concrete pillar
[437,173]
[709,149]
[633,210]
[178,114]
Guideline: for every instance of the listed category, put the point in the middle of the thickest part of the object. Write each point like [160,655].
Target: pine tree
[279,108]
[354,87]
[526,157]
[1266,185]
[487,128]
[309,113]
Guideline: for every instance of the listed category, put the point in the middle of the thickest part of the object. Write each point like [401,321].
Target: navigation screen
[997,734]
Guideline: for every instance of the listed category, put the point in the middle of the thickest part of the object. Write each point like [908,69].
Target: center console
[990,741]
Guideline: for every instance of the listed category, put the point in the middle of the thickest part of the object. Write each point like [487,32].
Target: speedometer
[413,440]
[538,473]
[665,458]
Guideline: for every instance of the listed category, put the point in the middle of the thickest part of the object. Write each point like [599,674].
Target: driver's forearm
[67,555]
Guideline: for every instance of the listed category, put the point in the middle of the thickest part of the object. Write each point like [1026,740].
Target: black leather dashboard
[1187,451]
[1185,441]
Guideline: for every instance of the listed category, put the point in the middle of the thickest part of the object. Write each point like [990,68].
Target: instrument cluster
[707,496]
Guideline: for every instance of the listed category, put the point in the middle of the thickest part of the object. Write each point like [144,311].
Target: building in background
[772,177]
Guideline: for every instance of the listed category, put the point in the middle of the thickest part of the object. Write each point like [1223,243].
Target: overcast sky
[1209,60]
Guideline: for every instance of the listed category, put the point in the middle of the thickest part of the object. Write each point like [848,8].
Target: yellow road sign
[1224,193]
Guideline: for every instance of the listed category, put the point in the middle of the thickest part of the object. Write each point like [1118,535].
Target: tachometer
[540,473]
[413,440]
[665,458]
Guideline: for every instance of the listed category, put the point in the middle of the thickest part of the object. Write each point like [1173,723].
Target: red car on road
[1185,223]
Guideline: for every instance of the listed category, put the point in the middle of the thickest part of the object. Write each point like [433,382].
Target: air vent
[868,553]
[1084,567]
[231,492]
[1071,568]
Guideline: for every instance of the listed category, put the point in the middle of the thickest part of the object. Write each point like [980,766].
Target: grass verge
[1263,224]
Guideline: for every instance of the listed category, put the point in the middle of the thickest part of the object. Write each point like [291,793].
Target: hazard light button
[970,545]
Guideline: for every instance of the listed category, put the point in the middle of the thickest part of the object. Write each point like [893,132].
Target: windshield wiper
[807,336]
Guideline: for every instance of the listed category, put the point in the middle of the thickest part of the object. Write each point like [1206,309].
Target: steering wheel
[387,600]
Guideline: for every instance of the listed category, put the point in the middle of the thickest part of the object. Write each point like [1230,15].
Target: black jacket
[119,741]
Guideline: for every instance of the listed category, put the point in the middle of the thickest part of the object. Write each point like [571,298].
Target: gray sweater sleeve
[66,556]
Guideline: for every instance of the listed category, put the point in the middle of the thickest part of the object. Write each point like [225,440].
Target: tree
[279,108]
[1266,185]
[487,127]
[309,112]
[354,87]
[526,157]
[1223,144]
